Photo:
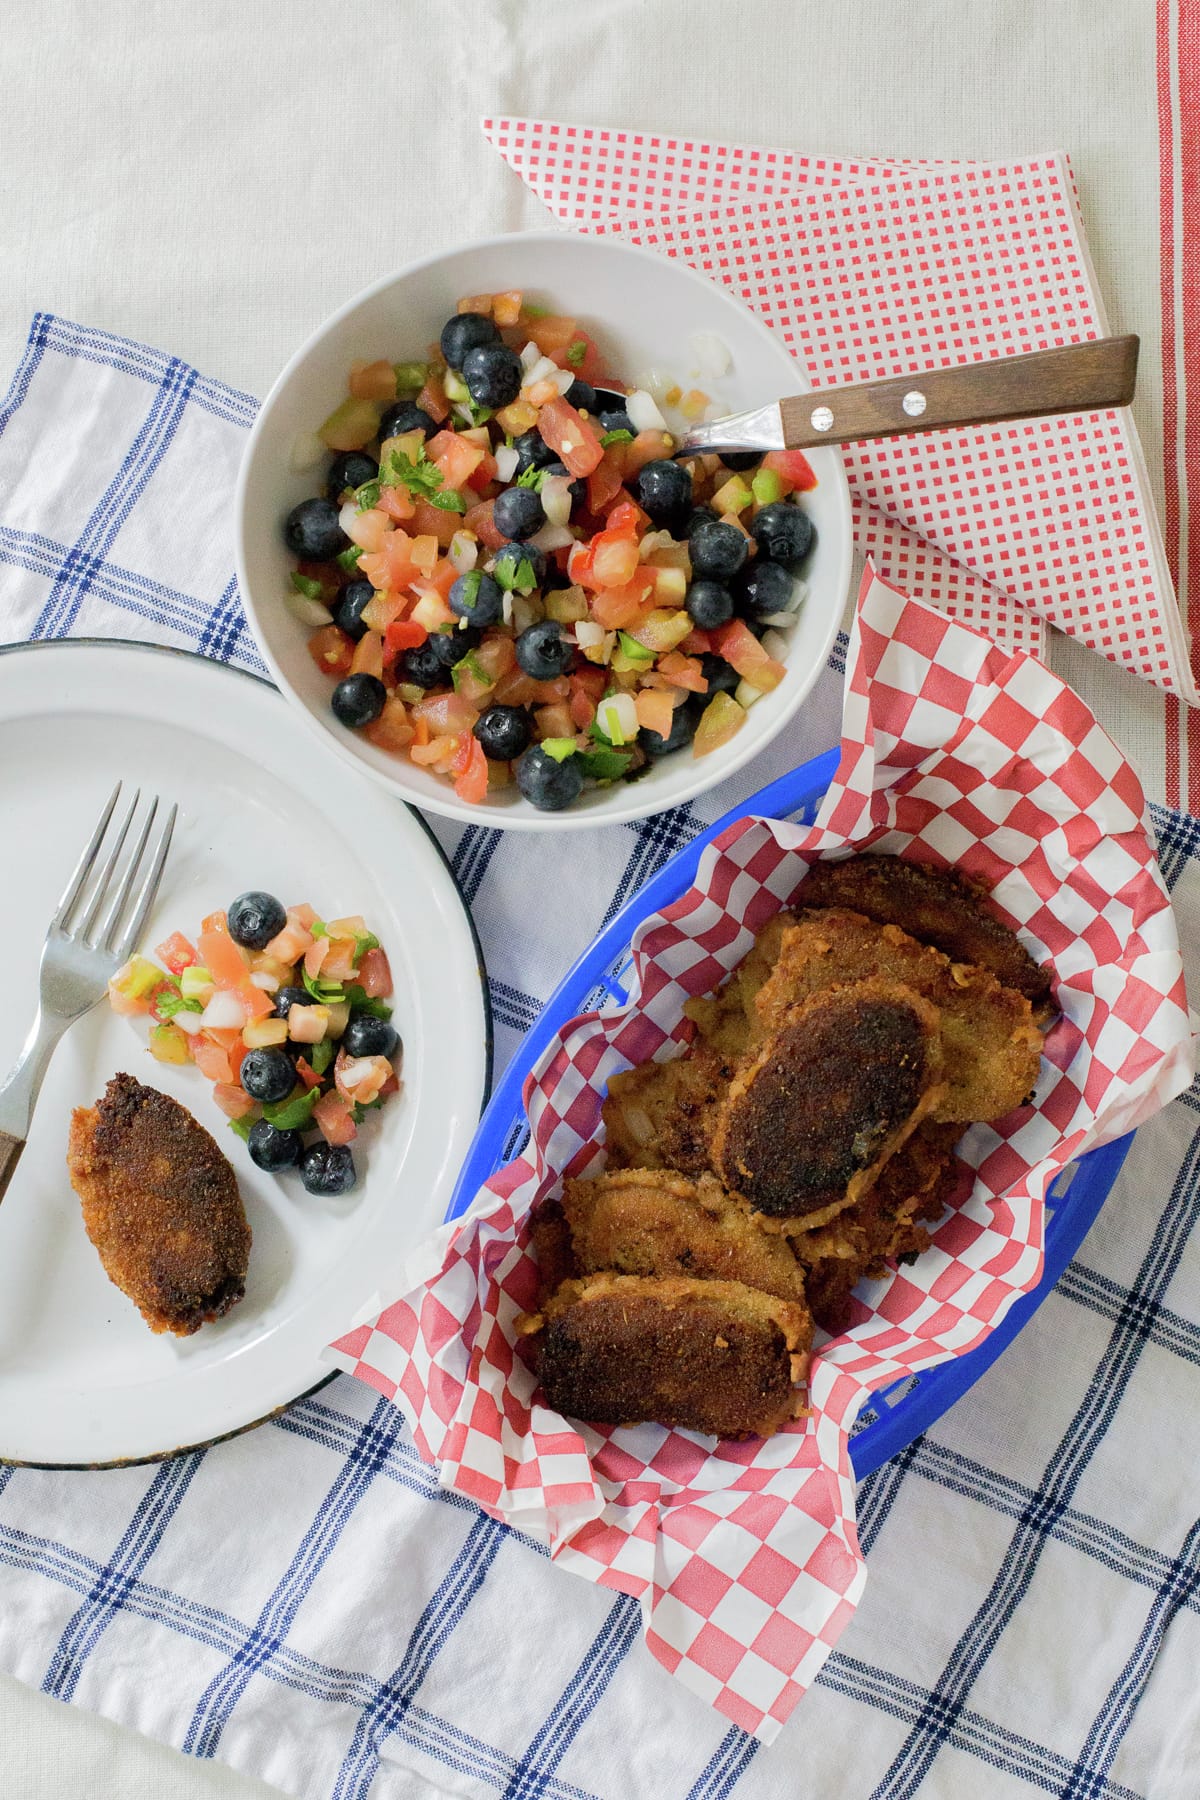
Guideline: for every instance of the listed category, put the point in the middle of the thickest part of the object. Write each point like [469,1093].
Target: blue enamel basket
[894,1416]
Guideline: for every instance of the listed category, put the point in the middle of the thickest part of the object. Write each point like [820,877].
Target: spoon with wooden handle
[1079,378]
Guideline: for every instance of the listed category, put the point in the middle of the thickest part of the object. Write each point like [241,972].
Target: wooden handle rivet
[914,403]
[821,418]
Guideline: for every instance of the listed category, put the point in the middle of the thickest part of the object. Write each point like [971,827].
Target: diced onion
[563,379]
[775,645]
[506,607]
[309,612]
[784,620]
[617,718]
[224,1012]
[464,551]
[643,412]
[347,515]
[588,634]
[711,353]
[507,459]
[307,451]
[553,537]
[268,983]
[656,382]
[655,540]
[542,370]
[556,498]
[745,695]
[188,1022]
[524,612]
[530,356]
[354,1070]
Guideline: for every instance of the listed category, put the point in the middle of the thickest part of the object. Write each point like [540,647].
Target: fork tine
[84,866]
[149,889]
[107,929]
[98,898]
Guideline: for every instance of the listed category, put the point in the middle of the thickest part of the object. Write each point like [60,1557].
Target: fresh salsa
[508,577]
[287,1016]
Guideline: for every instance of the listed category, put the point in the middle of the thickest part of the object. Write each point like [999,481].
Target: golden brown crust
[936,906]
[831,1094]
[991,1045]
[709,1356]
[658,1116]
[550,1238]
[161,1204]
[653,1222]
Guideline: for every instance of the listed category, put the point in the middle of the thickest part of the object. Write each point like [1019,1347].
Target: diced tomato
[432,398]
[212,1062]
[515,689]
[223,958]
[580,559]
[368,656]
[331,649]
[308,1076]
[255,1004]
[484,475]
[375,975]
[437,754]
[479,520]
[232,1099]
[327,578]
[555,721]
[447,713]
[334,1120]
[619,608]
[604,483]
[214,921]
[456,456]
[792,467]
[506,307]
[683,671]
[553,333]
[397,503]
[444,576]
[627,516]
[662,629]
[697,643]
[569,436]
[472,688]
[647,446]
[373,381]
[582,710]
[431,609]
[290,944]
[496,656]
[721,720]
[739,646]
[393,729]
[381,609]
[615,561]
[470,770]
[392,1084]
[361,1078]
[314,956]
[176,953]
[370,530]
[403,634]
[339,963]
[655,710]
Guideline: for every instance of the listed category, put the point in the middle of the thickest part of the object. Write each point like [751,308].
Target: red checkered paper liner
[871,269]
[744,1555]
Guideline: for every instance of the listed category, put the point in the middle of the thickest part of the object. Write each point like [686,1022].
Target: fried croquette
[550,1238]
[711,1356]
[991,1046]
[658,1116]
[833,1091]
[161,1205]
[653,1222]
[936,906]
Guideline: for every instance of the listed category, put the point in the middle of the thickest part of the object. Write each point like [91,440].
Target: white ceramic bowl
[641,308]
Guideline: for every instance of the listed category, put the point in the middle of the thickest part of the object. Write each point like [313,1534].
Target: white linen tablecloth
[216,179]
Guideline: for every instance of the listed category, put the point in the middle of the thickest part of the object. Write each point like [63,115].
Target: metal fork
[88,940]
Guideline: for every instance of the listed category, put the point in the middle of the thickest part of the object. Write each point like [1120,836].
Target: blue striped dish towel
[306,1604]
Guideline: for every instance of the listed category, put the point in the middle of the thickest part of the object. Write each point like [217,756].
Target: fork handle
[10,1156]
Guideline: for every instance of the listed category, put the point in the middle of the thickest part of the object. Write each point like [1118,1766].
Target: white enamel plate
[82,1378]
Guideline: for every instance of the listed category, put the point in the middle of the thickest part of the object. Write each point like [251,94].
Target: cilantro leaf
[242,1127]
[420,477]
[469,665]
[533,311]
[367,496]
[616,437]
[479,414]
[603,763]
[319,928]
[469,592]
[532,478]
[347,559]
[360,1001]
[167,1005]
[576,352]
[307,585]
[448,501]
[362,1108]
[319,1056]
[294,1113]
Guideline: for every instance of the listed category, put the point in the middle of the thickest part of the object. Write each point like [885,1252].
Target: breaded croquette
[161,1204]
[658,1116]
[710,1356]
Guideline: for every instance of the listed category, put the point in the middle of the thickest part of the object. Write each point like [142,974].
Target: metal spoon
[1079,378]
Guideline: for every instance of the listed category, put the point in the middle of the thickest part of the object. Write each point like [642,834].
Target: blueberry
[463,333]
[311,531]
[683,726]
[267,1074]
[518,513]
[452,642]
[477,597]
[582,396]
[722,677]
[617,420]
[718,551]
[493,374]
[358,699]
[519,568]
[708,604]
[577,487]
[255,918]
[784,533]
[368,1036]
[700,515]
[504,731]
[287,997]
[328,1169]
[544,651]
[533,452]
[272,1149]
[405,416]
[354,596]
[424,667]
[546,783]
[349,470]
[609,400]
[664,490]
[764,588]
[737,460]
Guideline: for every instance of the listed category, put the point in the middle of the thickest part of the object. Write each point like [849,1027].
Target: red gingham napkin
[871,269]
[745,1556]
